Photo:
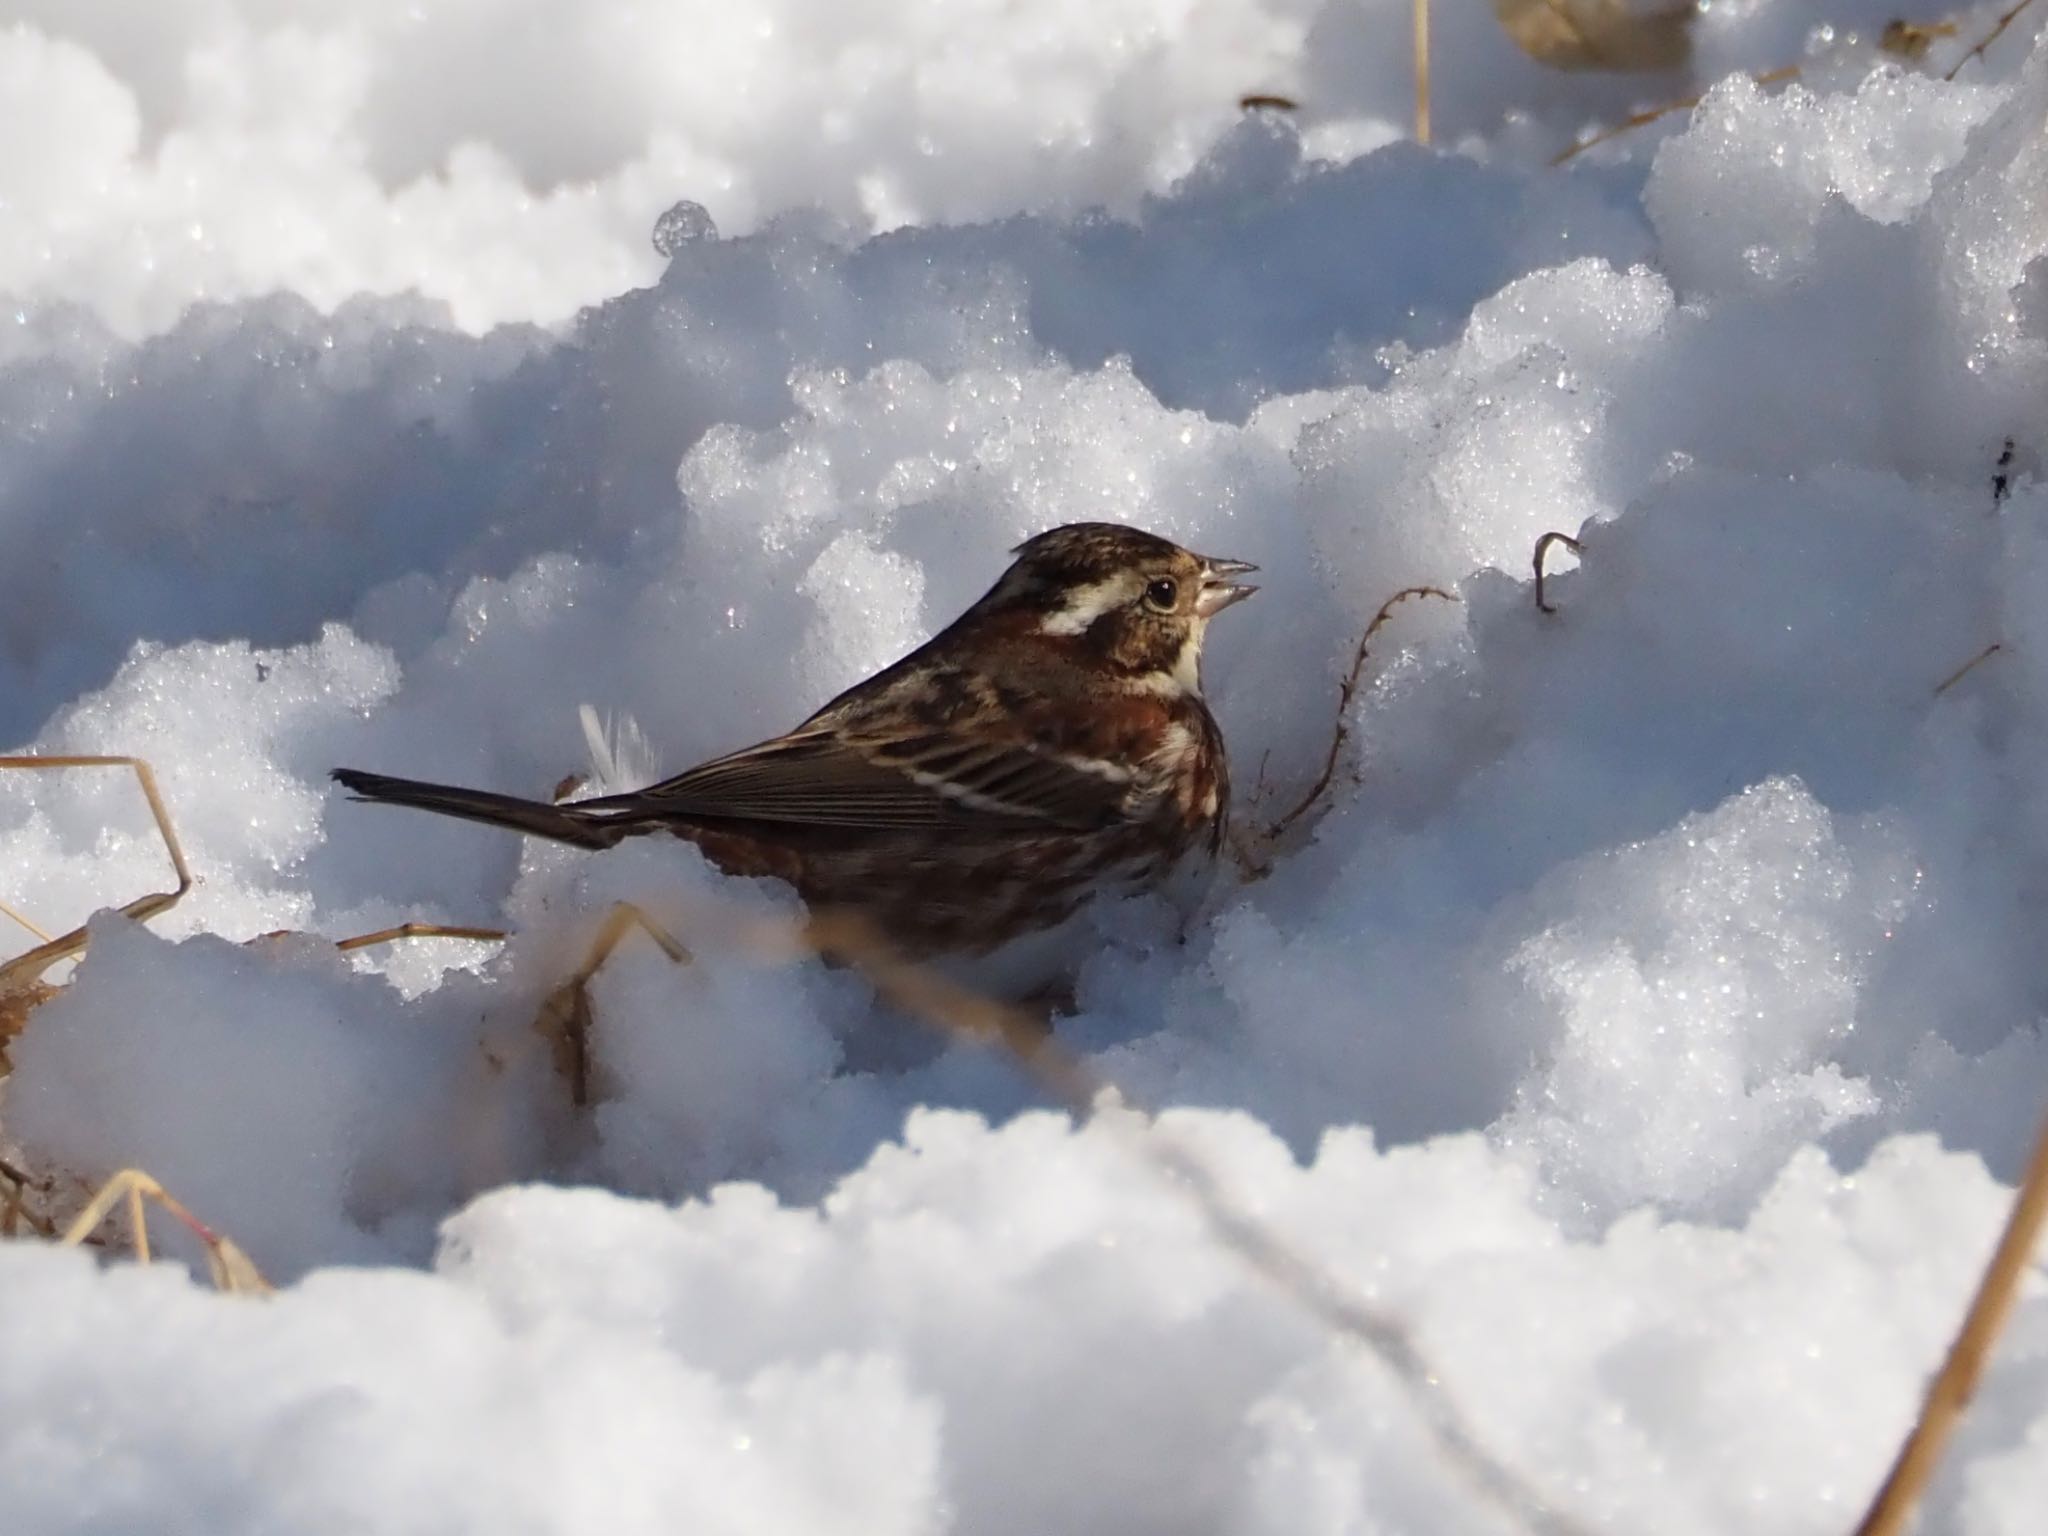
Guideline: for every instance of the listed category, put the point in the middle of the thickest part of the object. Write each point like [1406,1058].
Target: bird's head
[1121,599]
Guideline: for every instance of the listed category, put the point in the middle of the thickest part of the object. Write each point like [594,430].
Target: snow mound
[1642,1020]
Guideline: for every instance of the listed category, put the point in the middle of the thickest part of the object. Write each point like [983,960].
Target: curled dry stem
[1347,690]
[1542,554]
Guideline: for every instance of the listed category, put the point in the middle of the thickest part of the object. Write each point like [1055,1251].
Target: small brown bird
[1050,743]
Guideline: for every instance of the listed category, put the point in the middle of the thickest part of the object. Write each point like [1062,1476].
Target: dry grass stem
[1954,1385]
[565,1017]
[1997,31]
[1903,39]
[925,994]
[1421,9]
[416,931]
[959,1011]
[2001,492]
[1543,545]
[23,921]
[1265,101]
[1969,666]
[231,1268]
[1637,120]
[24,971]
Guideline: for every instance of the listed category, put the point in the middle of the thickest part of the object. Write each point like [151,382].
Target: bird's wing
[933,780]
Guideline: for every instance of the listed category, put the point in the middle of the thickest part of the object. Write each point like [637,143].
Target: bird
[1051,743]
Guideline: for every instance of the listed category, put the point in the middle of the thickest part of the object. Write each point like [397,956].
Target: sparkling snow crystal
[1645,1024]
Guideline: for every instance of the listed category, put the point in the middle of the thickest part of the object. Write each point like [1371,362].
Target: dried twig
[2001,492]
[25,970]
[1542,550]
[1266,101]
[565,1014]
[414,931]
[1346,691]
[22,921]
[1967,667]
[1906,39]
[1953,1386]
[565,1017]
[1638,119]
[1997,31]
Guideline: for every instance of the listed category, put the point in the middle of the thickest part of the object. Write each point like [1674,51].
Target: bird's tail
[563,823]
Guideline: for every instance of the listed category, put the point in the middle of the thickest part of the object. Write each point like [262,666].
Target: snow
[1647,1027]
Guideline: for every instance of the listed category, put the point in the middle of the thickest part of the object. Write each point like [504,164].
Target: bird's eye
[1162,593]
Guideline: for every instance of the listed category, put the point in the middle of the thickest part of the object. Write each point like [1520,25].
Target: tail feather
[563,823]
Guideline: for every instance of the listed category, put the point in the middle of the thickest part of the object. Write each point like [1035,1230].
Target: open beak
[1218,591]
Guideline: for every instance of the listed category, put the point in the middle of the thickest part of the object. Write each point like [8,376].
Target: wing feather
[827,778]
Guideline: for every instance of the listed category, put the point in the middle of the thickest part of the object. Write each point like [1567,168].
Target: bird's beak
[1218,592]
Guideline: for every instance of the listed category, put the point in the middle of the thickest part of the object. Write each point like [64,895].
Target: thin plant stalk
[1956,1382]
[1422,71]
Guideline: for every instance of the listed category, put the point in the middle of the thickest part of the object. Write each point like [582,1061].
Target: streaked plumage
[1051,742]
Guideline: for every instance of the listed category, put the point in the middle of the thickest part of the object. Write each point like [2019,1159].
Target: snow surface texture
[1602,1031]
[509,158]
